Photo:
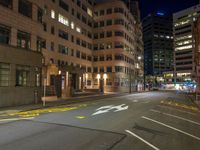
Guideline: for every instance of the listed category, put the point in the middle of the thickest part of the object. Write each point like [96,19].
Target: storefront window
[4,74]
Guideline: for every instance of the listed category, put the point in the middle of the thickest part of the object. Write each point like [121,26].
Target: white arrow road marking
[105,109]
[120,108]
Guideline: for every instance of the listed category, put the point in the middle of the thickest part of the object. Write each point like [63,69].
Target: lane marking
[80,117]
[178,117]
[177,109]
[135,101]
[181,105]
[106,109]
[173,128]
[149,144]
[14,119]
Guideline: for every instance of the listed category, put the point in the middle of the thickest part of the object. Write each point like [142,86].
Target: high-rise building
[84,45]
[158,44]
[133,6]
[118,48]
[184,44]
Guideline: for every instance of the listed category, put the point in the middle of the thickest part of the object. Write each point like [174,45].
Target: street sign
[105,109]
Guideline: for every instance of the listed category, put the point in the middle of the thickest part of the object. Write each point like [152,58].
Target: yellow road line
[37,112]
[80,117]
[180,105]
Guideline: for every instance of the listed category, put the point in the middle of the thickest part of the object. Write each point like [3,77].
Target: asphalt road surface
[131,122]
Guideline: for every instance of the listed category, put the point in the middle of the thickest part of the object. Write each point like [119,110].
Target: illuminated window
[89,11]
[72,25]
[78,29]
[184,47]
[63,20]
[53,14]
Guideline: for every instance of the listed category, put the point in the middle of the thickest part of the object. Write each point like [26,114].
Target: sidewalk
[60,102]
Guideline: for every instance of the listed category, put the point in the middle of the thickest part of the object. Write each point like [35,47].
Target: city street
[142,121]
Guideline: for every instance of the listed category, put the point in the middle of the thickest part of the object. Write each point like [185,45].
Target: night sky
[167,6]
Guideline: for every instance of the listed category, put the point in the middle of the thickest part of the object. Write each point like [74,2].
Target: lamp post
[44,99]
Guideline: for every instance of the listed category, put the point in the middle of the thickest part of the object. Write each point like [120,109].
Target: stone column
[13,37]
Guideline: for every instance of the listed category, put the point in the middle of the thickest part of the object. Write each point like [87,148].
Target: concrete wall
[14,95]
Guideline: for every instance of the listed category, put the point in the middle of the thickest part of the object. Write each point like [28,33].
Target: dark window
[78,3]
[101,12]
[119,57]
[22,75]
[95,47]
[109,22]
[89,23]
[109,69]
[118,45]
[119,33]
[95,35]
[72,38]
[44,26]
[23,39]
[52,30]
[101,23]
[84,19]
[4,34]
[72,52]
[40,44]
[78,41]
[25,8]
[96,25]
[89,58]
[84,43]
[89,69]
[101,69]
[95,69]
[95,58]
[63,49]
[83,56]
[118,69]
[63,5]
[101,58]
[102,35]
[109,57]
[78,54]
[84,7]
[6,3]
[73,11]
[63,35]
[119,21]
[39,15]
[119,10]
[78,15]
[109,33]
[101,46]
[109,11]
[52,46]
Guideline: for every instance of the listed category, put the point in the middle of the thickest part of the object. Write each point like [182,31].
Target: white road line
[177,109]
[135,101]
[14,119]
[181,118]
[173,128]
[149,144]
